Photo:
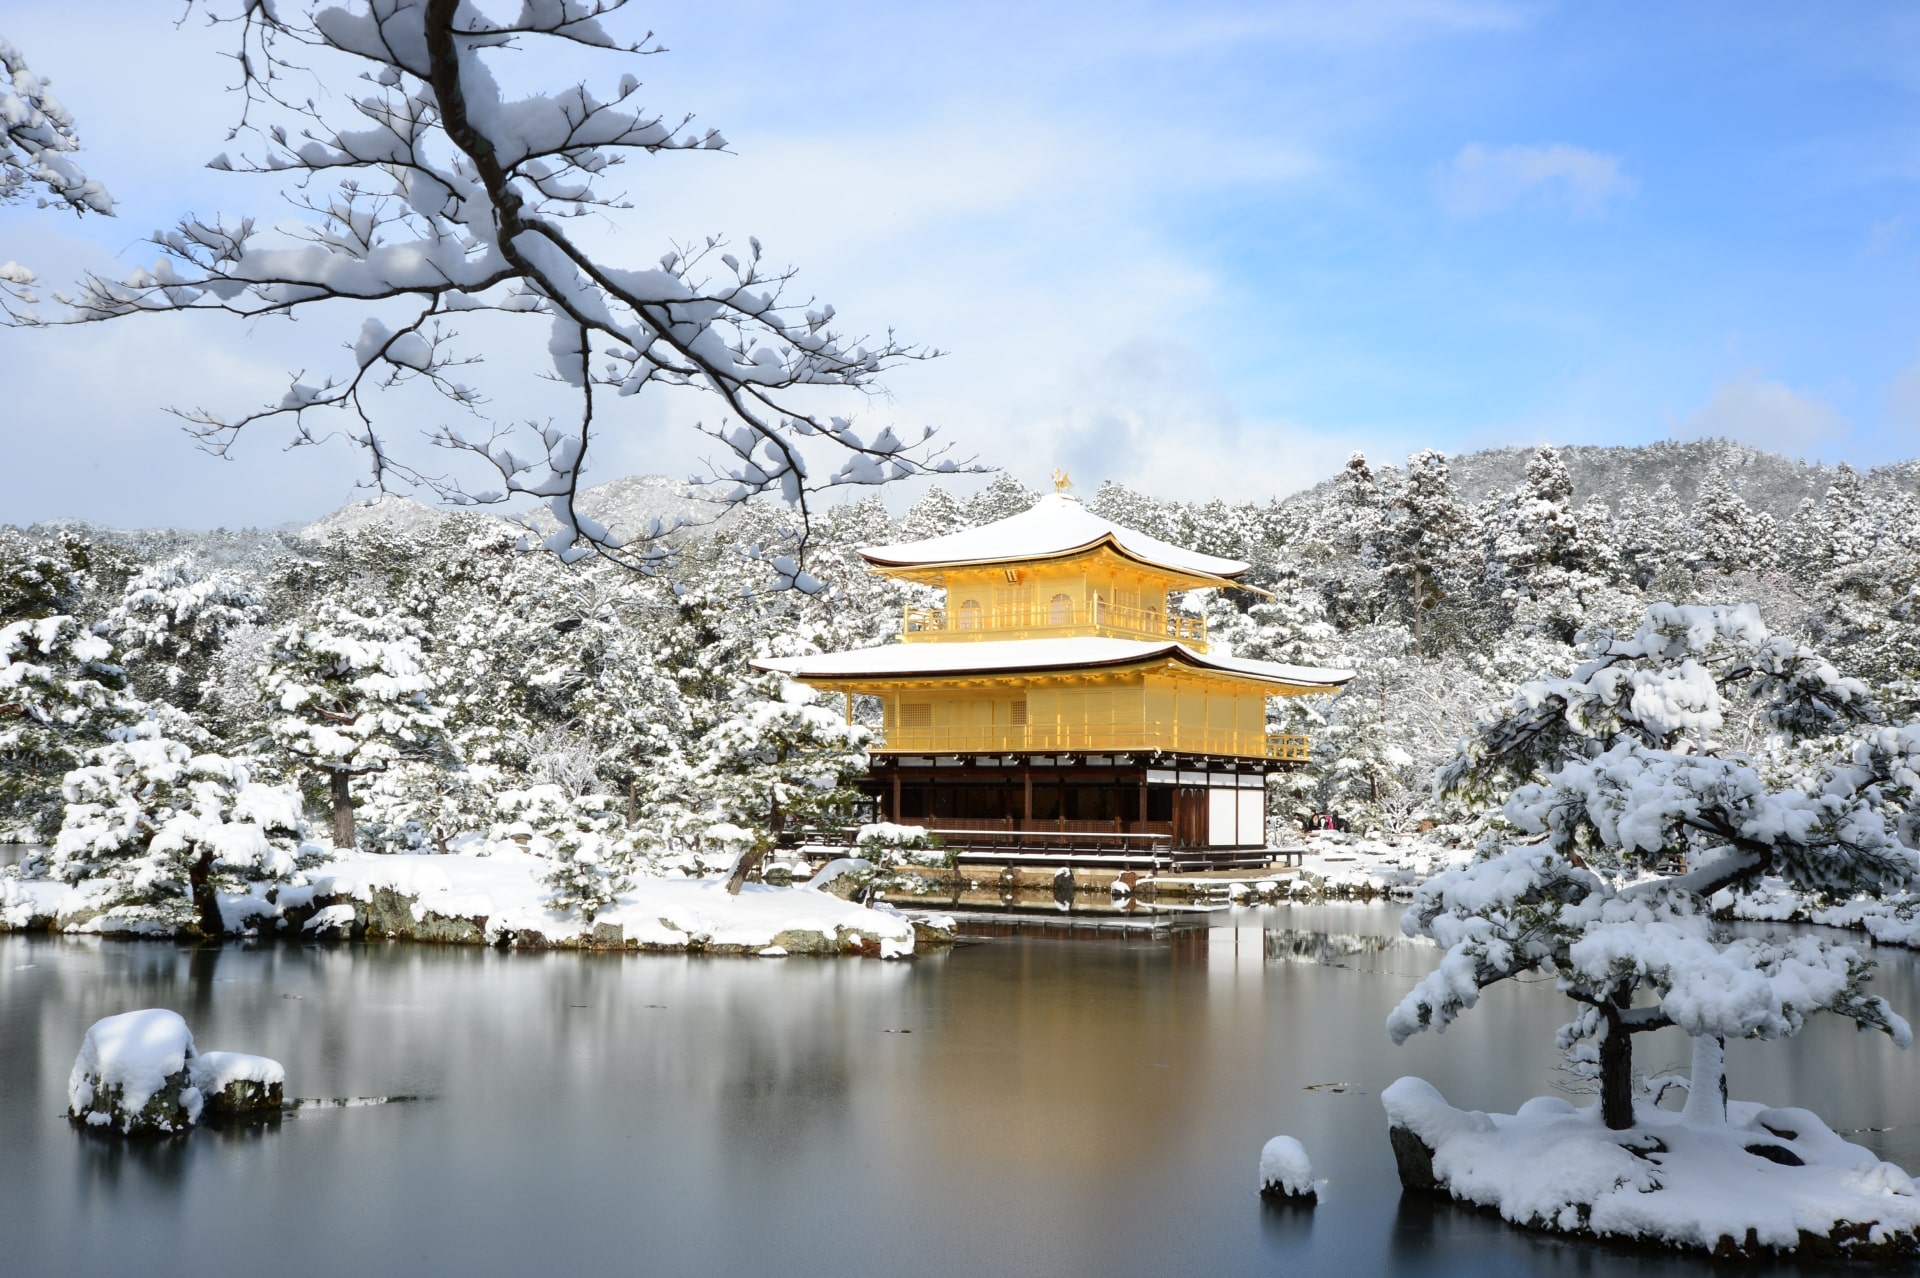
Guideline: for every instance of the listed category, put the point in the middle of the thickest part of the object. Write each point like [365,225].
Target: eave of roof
[1005,658]
[1106,541]
[1056,527]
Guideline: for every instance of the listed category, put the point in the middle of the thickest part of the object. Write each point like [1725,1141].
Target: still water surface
[1016,1107]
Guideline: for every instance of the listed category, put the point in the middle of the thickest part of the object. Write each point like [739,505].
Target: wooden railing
[1044,738]
[1043,620]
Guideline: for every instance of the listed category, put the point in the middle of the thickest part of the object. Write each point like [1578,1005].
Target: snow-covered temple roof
[1040,656]
[1057,525]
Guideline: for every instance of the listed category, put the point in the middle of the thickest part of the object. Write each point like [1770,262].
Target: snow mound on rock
[1285,1170]
[127,1062]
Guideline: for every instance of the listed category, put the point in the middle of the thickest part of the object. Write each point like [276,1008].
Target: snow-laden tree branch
[428,189]
[37,142]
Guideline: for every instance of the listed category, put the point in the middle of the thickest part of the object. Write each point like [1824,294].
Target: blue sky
[1206,250]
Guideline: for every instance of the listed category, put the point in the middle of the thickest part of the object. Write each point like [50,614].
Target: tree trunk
[742,867]
[1616,1073]
[1707,1094]
[1418,638]
[342,809]
[205,900]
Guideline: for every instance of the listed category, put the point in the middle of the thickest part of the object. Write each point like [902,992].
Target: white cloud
[1885,236]
[1482,180]
[1766,414]
[1903,399]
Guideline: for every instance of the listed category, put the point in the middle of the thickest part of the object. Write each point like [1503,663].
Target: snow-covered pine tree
[1122,505]
[1357,509]
[1642,818]
[782,762]
[1002,497]
[157,835]
[1551,560]
[589,873]
[1652,537]
[172,619]
[1426,542]
[937,513]
[59,695]
[353,699]
[1729,536]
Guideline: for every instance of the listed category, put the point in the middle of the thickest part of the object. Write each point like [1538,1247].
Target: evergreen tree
[1730,536]
[1121,505]
[172,619]
[1652,538]
[59,695]
[1001,498]
[1642,818]
[1551,563]
[780,763]
[937,513]
[1426,541]
[157,835]
[353,698]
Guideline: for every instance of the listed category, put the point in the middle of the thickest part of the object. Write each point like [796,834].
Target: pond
[1023,1106]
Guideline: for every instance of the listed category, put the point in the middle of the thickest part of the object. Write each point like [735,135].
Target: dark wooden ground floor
[1101,809]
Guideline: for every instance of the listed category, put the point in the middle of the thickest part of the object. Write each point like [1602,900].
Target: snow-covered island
[501,898]
[1746,1182]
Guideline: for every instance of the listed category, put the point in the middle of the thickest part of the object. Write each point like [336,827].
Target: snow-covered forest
[422,676]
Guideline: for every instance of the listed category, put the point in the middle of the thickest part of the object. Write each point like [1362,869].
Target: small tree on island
[1642,819]
[354,696]
[779,762]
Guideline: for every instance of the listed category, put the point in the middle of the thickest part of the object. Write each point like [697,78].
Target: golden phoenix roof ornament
[1061,480]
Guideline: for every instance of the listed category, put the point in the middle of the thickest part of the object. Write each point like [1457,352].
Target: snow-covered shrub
[590,871]
[155,834]
[885,843]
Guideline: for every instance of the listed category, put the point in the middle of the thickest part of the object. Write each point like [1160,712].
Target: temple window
[1060,610]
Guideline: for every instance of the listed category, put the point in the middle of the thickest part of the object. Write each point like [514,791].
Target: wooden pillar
[1143,798]
[849,697]
[1026,806]
[894,816]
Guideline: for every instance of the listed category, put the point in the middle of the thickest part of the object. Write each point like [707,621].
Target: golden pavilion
[1057,706]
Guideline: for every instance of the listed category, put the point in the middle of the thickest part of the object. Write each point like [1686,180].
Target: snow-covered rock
[1763,1182]
[132,1075]
[236,1085]
[138,1074]
[1285,1171]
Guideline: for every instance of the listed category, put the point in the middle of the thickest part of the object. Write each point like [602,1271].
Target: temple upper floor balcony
[1080,738]
[1061,616]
